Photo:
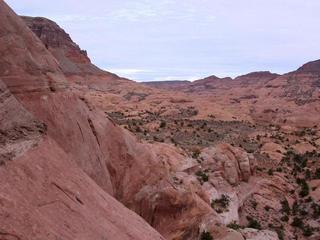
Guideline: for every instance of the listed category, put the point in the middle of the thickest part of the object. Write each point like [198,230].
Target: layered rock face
[19,130]
[71,58]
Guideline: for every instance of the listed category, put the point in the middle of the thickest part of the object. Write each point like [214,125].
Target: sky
[154,40]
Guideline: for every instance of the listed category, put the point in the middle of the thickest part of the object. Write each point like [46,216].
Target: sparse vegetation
[253,223]
[285,208]
[163,124]
[202,176]
[284,218]
[307,231]
[297,222]
[280,233]
[221,204]
[254,204]
[267,208]
[234,226]
[304,187]
[196,153]
[206,236]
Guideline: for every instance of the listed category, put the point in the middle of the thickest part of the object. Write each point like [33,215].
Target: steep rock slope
[44,190]
[44,194]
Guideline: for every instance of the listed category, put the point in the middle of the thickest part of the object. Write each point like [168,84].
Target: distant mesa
[310,67]
[258,75]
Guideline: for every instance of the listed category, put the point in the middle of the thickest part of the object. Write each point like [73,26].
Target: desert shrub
[280,233]
[202,176]
[267,208]
[206,236]
[297,222]
[234,226]
[253,223]
[308,174]
[301,160]
[163,124]
[285,208]
[284,218]
[316,210]
[196,153]
[295,208]
[309,199]
[307,231]
[303,212]
[203,125]
[317,174]
[221,204]
[304,188]
[254,204]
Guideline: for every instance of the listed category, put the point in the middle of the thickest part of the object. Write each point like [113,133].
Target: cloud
[131,73]
[173,78]
[127,70]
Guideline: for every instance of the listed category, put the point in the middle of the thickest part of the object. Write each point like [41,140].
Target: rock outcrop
[71,58]
[234,164]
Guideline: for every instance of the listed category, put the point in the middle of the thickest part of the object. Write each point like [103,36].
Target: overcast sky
[187,39]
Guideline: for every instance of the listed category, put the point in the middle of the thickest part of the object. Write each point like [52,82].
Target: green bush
[307,231]
[285,208]
[202,176]
[297,222]
[267,208]
[280,233]
[196,153]
[163,124]
[221,204]
[304,188]
[253,223]
[316,210]
[295,208]
[234,226]
[284,218]
[317,174]
[254,204]
[206,236]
